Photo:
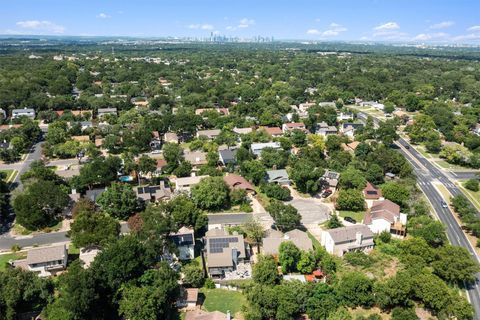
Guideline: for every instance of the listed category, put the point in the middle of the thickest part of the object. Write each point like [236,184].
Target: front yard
[4,258]
[357,215]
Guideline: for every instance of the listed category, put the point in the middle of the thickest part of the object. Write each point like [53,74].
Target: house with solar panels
[184,240]
[224,252]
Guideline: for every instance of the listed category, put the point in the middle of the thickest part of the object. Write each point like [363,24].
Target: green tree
[334,222]
[352,178]
[472,184]
[404,314]
[286,217]
[374,174]
[355,289]
[193,276]
[350,199]
[305,176]
[306,264]
[147,165]
[431,230]
[454,264]
[254,231]
[119,201]
[173,155]
[288,256]
[322,303]
[275,191]
[93,228]
[184,213]
[265,271]
[40,204]
[253,171]
[211,193]
[396,192]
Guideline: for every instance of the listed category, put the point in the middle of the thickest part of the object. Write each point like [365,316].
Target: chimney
[235,257]
[74,191]
[228,315]
[359,238]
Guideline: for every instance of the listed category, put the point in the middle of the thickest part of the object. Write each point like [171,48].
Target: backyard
[223,300]
[4,258]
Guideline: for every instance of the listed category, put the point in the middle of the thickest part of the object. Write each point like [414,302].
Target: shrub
[472,185]
[275,191]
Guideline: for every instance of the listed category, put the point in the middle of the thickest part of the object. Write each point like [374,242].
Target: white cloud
[204,26]
[230,28]
[442,25]
[474,28]
[103,16]
[387,26]
[313,31]
[334,30]
[245,23]
[431,36]
[467,37]
[43,26]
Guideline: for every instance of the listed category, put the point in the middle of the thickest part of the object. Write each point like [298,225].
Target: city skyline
[344,20]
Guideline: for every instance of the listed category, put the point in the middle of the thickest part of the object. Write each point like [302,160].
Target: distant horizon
[396,21]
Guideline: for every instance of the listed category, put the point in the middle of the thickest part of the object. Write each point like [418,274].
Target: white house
[184,184]
[46,261]
[104,111]
[386,216]
[339,241]
[184,240]
[26,112]
[258,147]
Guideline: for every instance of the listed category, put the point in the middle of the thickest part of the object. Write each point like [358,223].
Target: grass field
[445,165]
[4,258]
[357,215]
[472,195]
[316,243]
[223,300]
[9,174]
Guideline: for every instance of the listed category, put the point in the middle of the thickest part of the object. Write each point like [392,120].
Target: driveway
[311,210]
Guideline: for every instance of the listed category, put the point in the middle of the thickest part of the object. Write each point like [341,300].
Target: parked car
[350,219]
[326,193]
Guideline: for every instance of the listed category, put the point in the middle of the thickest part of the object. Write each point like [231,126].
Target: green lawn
[223,300]
[72,249]
[316,243]
[4,258]
[9,174]
[357,215]
[444,164]
[472,195]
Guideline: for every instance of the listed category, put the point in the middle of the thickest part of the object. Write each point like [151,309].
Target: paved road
[35,154]
[311,210]
[426,175]
[465,175]
[42,239]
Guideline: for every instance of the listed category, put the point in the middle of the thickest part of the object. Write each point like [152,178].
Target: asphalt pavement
[426,174]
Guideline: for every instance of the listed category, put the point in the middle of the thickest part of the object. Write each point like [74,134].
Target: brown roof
[161,163]
[46,254]
[80,112]
[191,294]
[353,145]
[295,125]
[235,181]
[98,142]
[203,315]
[273,131]
[81,138]
[371,192]
[349,234]
[384,209]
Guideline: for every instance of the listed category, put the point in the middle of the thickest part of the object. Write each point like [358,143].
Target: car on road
[350,219]
[407,146]
[444,204]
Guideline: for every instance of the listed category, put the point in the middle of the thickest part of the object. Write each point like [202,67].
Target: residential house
[242,130]
[324,129]
[196,158]
[344,116]
[184,184]
[279,176]
[84,138]
[373,104]
[350,147]
[87,255]
[370,192]
[86,125]
[331,177]
[25,112]
[271,243]
[153,193]
[188,298]
[161,164]
[184,240]
[209,134]
[288,127]
[3,114]
[385,215]
[227,156]
[99,142]
[46,261]
[348,129]
[104,111]
[226,220]
[224,252]
[156,142]
[222,111]
[476,129]
[170,137]
[327,104]
[257,148]
[274,132]
[234,181]
[339,241]
[93,194]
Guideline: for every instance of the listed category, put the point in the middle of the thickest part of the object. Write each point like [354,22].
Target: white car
[444,205]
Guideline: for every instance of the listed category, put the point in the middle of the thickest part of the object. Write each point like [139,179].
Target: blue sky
[375,20]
